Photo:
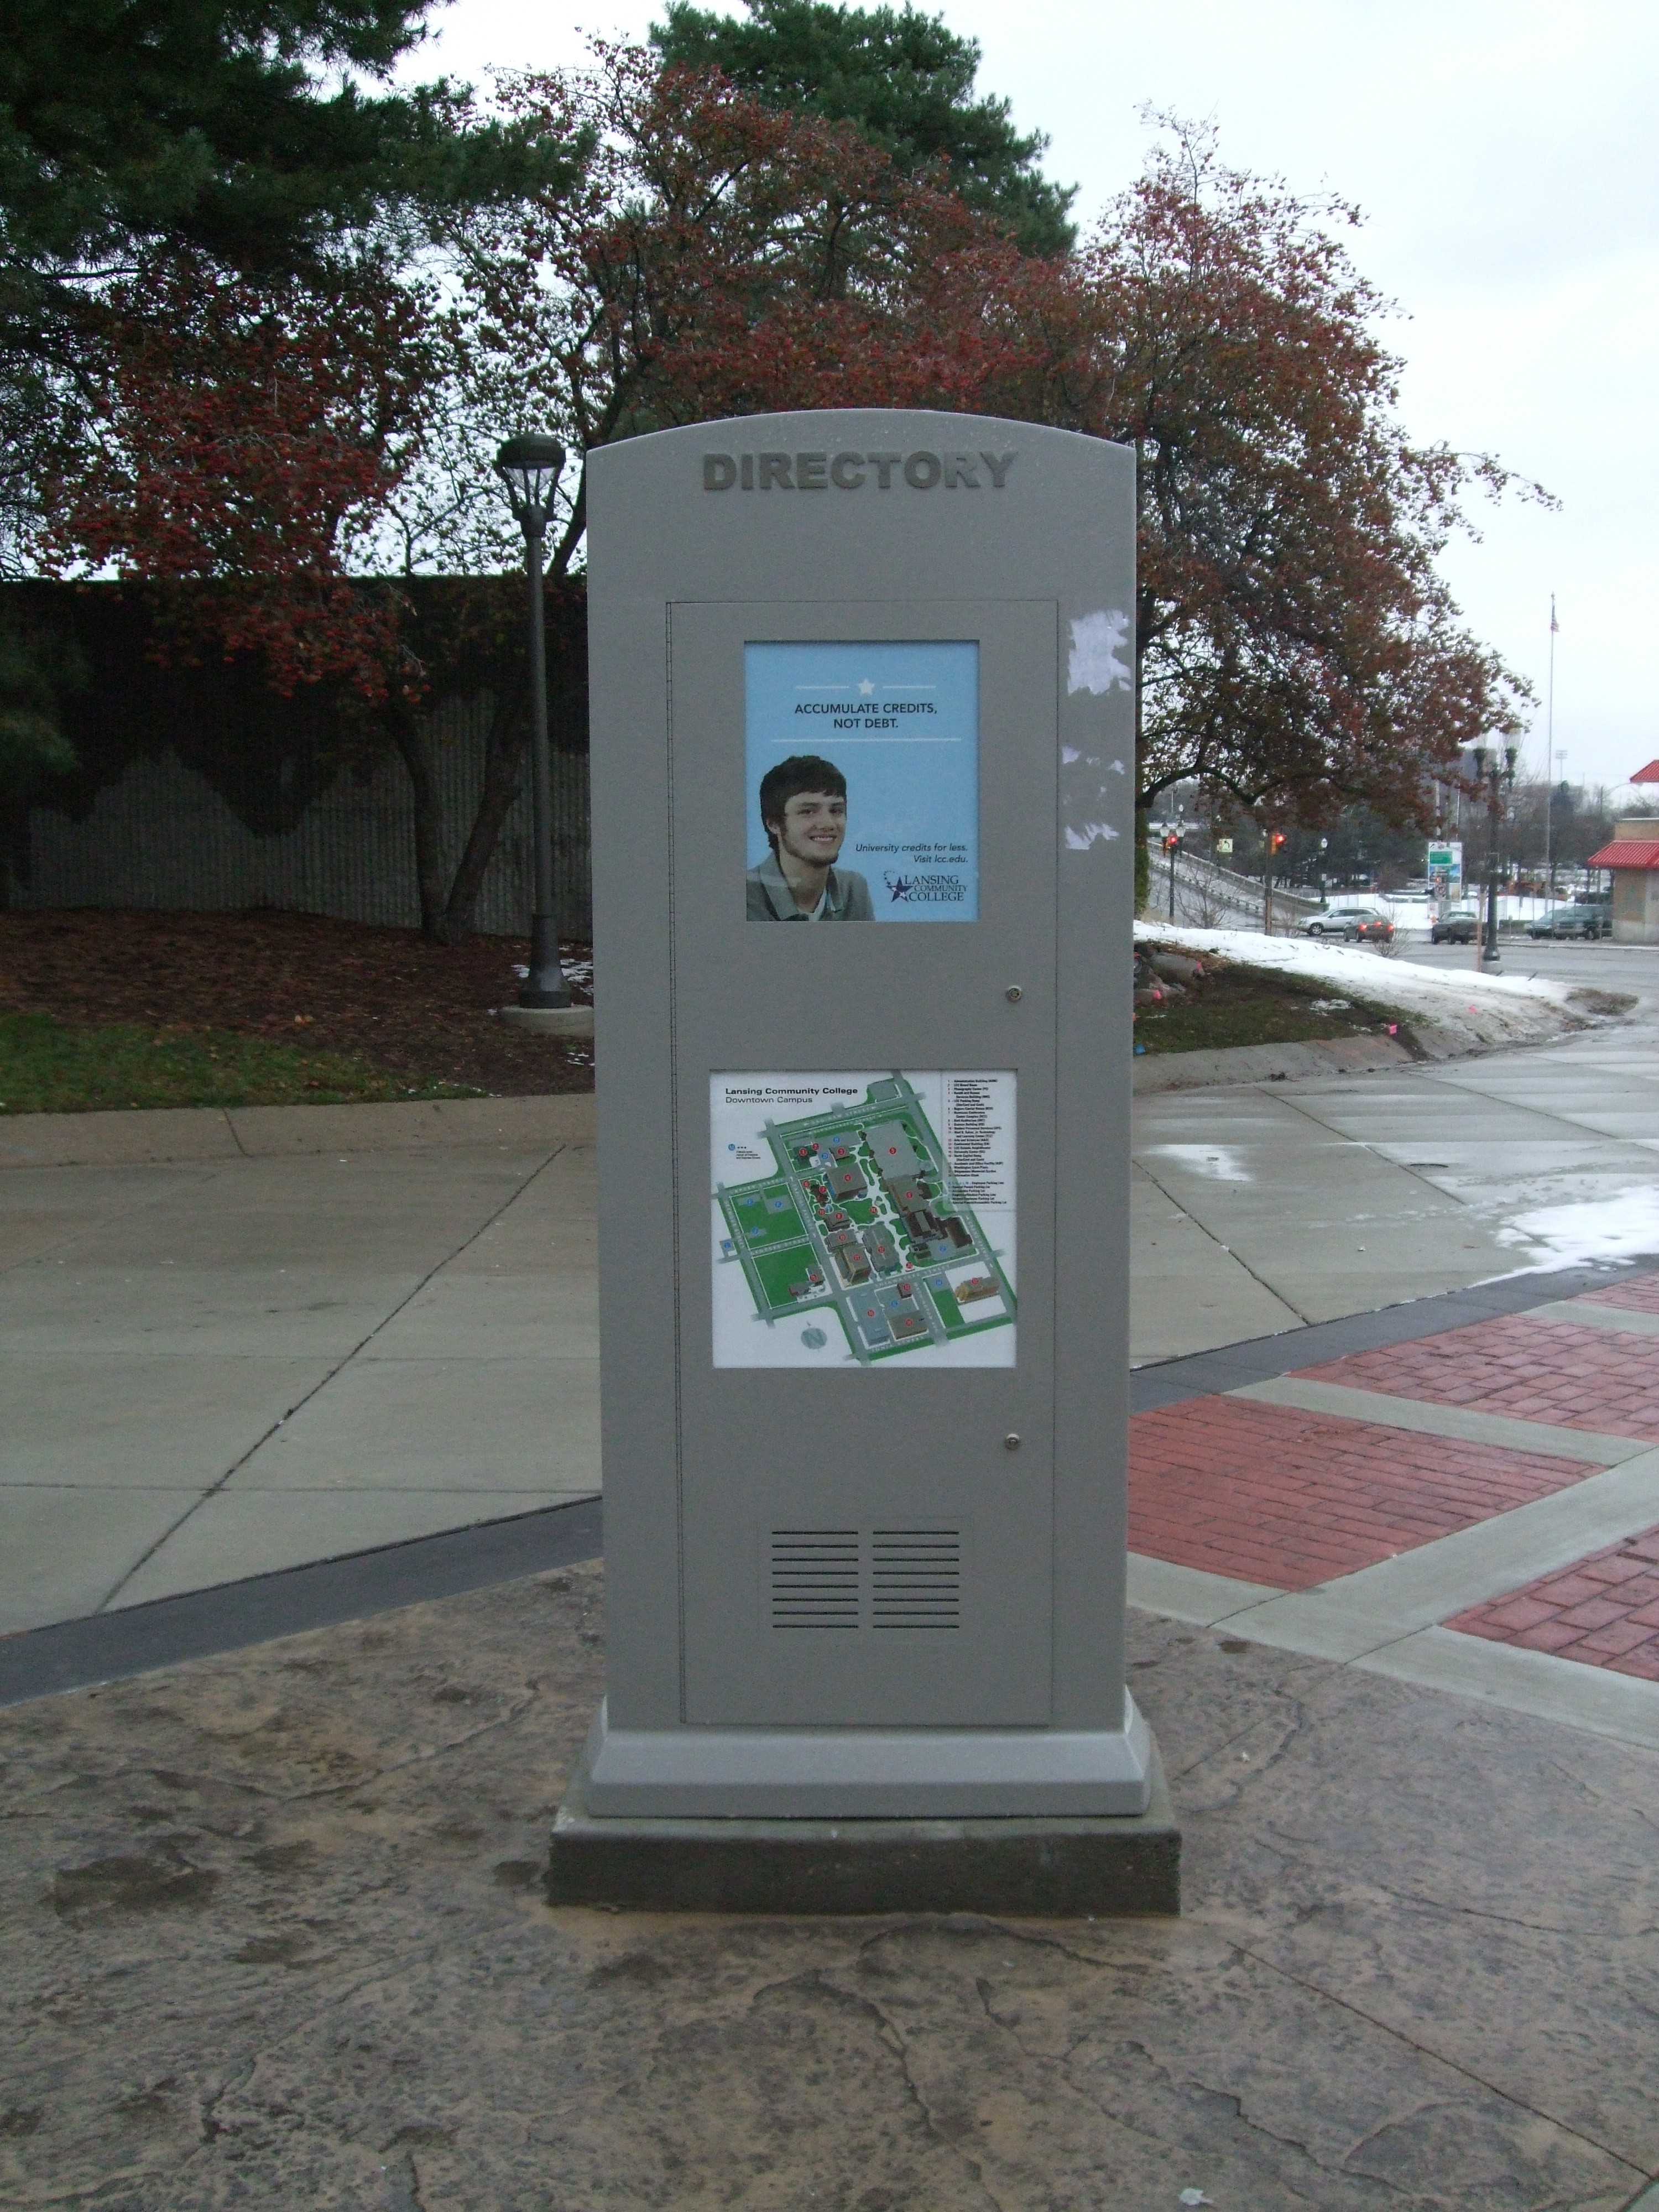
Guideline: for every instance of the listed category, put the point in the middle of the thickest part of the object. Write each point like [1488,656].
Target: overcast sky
[1504,155]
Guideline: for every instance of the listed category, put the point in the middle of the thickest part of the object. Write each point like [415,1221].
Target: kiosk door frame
[866,1449]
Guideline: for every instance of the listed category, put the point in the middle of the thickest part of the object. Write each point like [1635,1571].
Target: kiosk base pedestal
[1038,1869]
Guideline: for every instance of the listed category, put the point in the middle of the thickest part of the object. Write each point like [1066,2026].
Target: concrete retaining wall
[161,835]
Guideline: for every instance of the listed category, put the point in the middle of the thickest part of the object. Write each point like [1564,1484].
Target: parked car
[1592,918]
[1461,925]
[1361,923]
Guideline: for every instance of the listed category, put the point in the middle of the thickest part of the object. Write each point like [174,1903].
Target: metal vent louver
[915,1578]
[814,1578]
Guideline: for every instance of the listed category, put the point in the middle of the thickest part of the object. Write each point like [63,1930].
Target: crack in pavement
[71,1238]
[1277,1296]
[386,1320]
[1428,2050]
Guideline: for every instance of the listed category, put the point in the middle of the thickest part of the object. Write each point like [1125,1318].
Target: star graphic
[866,689]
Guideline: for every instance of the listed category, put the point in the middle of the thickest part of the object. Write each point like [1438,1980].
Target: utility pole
[1549,752]
[1561,776]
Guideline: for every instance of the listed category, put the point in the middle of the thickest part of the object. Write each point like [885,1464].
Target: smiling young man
[803,809]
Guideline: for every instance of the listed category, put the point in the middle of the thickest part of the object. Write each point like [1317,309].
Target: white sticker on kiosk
[860,1219]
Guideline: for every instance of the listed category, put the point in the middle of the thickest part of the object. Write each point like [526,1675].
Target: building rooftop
[1627,853]
[895,1156]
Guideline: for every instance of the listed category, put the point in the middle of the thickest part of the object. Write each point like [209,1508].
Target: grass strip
[1240,1006]
[51,1066]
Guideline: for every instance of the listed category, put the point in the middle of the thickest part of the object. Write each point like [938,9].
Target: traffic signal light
[1172,841]
[1276,840]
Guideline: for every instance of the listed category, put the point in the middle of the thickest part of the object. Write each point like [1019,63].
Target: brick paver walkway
[1639,1296]
[1268,1494]
[1603,1610]
[1535,1369]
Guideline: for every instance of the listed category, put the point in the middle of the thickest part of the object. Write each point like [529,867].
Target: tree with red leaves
[255,440]
[1296,645]
[725,257]
[249,436]
[1295,641]
[718,256]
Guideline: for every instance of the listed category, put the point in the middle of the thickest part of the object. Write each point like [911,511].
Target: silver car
[1362,923]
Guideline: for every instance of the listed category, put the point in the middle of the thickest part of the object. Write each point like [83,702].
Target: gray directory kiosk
[862,717]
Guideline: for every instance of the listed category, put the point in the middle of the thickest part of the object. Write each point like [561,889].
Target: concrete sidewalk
[1264,1207]
[276,1336]
[216,1370]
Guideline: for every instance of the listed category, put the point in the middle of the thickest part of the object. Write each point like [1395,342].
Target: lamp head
[529,466]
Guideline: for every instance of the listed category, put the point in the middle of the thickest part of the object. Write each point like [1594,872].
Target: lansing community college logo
[930,890]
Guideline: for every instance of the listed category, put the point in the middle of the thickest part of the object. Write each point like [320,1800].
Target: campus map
[857,1235]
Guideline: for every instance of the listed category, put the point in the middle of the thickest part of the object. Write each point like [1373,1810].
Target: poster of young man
[863,780]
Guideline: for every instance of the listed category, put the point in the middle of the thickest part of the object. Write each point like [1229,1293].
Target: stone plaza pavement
[275,1938]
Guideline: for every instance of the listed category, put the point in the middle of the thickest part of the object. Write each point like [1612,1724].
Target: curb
[1266,1063]
[156,1136]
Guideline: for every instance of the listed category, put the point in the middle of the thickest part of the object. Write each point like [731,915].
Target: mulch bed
[425,1011]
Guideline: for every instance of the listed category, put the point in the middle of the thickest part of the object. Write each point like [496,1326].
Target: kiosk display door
[864,845]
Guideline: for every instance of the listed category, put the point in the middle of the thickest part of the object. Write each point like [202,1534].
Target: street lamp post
[1493,775]
[529,466]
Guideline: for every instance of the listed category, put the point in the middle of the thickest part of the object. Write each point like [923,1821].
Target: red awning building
[1633,858]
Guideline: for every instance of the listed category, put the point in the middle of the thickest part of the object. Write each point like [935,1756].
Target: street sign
[864,1192]
[1445,868]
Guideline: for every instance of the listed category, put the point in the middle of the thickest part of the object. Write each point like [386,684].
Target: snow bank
[1622,1228]
[1456,1008]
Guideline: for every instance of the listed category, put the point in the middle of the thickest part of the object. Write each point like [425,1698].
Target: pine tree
[905,80]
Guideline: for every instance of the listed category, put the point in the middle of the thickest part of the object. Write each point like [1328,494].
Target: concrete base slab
[1081,1869]
[550,1021]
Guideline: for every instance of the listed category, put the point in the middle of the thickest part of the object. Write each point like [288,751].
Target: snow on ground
[1466,1006]
[1621,1228]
